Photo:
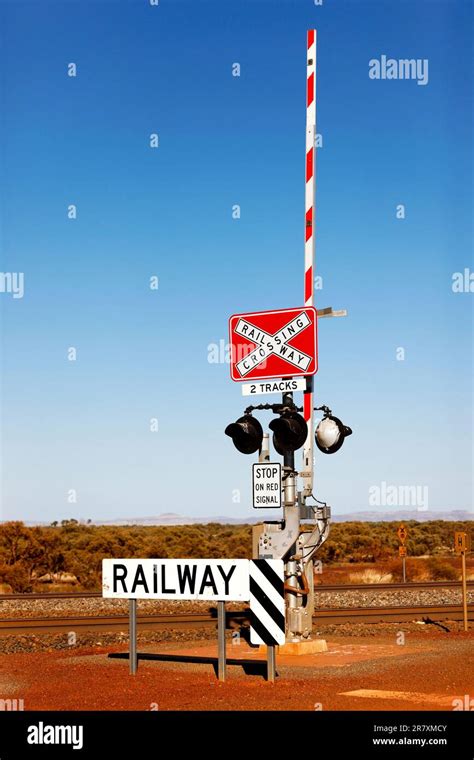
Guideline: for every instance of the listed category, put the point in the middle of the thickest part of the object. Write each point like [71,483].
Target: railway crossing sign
[266,484]
[273,344]
[402,533]
[402,550]
[461,542]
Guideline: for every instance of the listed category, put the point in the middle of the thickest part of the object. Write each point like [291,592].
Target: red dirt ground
[428,673]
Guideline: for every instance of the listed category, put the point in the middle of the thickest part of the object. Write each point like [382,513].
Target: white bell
[328,432]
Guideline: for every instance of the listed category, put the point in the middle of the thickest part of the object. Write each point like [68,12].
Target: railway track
[415,586]
[78,624]
[319,587]
[25,626]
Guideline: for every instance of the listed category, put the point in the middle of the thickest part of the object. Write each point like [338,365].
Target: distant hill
[405,514]
[171,518]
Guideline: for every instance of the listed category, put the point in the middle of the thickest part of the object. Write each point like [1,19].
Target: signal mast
[283,344]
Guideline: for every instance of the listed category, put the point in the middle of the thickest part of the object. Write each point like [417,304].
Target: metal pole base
[271,664]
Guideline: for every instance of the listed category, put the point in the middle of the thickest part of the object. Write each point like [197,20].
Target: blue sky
[226,140]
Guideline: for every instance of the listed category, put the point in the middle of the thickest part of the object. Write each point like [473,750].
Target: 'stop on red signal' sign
[267,344]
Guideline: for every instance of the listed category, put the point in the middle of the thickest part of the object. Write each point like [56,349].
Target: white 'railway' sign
[258,581]
[218,579]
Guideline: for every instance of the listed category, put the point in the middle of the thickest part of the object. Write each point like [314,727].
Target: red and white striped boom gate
[310,241]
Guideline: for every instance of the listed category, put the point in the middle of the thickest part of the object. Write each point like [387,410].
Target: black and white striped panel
[267,601]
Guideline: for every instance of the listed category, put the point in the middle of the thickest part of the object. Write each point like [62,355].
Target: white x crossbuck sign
[268,344]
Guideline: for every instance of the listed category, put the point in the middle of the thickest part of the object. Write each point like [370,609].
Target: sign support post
[132,611]
[462,544]
[221,643]
[464,589]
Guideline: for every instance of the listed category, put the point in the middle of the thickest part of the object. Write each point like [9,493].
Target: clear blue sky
[227,140]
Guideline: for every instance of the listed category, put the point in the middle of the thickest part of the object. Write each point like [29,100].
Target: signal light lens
[330,434]
[246,434]
[289,432]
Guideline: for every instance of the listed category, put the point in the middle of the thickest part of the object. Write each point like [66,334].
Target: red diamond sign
[266,344]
